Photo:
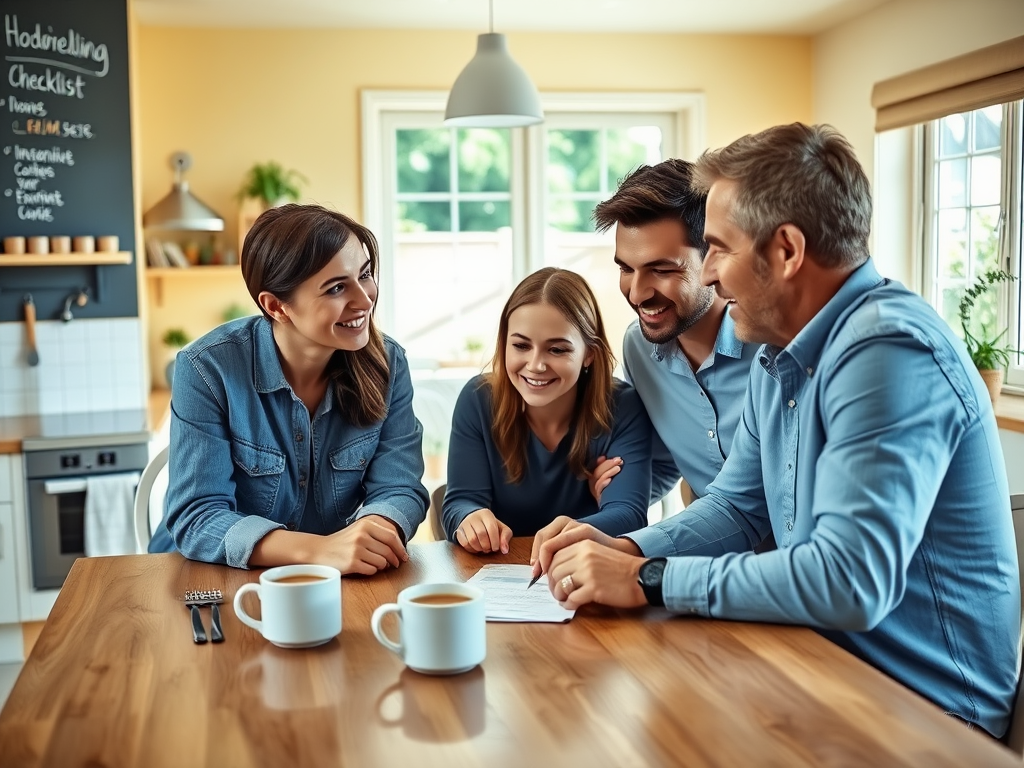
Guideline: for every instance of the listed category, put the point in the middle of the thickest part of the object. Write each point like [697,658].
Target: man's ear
[788,246]
[273,306]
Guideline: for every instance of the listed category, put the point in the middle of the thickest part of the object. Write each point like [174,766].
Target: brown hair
[655,192]
[806,175]
[569,293]
[291,243]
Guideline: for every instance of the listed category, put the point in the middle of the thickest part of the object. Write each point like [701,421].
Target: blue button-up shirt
[694,413]
[246,458]
[869,447]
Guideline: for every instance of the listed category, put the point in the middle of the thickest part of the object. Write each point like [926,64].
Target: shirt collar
[726,342]
[268,375]
[806,347]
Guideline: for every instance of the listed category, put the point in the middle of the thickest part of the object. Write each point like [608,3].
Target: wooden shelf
[64,259]
[155,276]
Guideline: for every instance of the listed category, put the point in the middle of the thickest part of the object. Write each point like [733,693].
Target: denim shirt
[694,413]
[869,447]
[246,457]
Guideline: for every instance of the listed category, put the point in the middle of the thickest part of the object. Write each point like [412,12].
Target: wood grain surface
[115,680]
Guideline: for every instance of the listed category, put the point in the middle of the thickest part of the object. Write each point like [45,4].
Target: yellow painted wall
[232,97]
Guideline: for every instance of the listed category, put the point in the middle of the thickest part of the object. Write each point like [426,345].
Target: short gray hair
[804,175]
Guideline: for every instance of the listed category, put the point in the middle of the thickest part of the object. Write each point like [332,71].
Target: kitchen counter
[71,430]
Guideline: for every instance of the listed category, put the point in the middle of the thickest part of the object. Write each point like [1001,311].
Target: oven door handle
[71,485]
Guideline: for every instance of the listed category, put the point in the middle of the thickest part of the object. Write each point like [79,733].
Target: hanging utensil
[32,358]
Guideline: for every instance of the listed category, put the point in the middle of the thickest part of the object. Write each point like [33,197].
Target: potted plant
[989,353]
[271,184]
[174,339]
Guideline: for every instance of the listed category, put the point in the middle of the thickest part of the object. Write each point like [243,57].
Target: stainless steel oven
[56,479]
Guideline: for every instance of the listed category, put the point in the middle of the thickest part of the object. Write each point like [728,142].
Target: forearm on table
[282,547]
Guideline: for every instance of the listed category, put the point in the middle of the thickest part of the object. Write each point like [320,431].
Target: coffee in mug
[300,605]
[301,579]
[442,628]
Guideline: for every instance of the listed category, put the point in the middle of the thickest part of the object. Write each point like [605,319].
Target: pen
[534,580]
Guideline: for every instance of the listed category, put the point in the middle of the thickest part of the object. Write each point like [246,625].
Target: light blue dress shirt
[246,457]
[694,413]
[477,479]
[869,447]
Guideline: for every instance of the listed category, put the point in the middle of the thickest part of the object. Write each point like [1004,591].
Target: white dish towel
[110,514]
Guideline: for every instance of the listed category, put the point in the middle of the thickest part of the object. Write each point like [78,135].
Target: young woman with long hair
[526,435]
[293,438]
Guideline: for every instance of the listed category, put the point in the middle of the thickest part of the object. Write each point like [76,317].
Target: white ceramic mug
[442,628]
[300,605]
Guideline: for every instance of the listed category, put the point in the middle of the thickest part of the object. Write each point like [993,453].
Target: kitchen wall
[84,365]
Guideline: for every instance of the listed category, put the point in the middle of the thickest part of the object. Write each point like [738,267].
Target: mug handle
[240,611]
[378,632]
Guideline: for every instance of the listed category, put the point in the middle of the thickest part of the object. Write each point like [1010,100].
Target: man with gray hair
[867,445]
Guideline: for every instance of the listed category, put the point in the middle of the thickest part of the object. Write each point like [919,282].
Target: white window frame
[1009,233]
[384,110]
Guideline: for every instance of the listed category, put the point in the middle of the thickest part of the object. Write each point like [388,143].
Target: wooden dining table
[116,680]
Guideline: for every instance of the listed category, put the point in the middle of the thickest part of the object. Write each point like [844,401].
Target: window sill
[1010,412]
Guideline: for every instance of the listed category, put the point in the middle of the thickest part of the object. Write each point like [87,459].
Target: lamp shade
[180,209]
[493,91]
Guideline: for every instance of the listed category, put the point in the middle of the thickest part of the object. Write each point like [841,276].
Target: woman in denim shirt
[293,438]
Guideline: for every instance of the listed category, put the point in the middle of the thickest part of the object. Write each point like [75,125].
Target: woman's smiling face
[544,354]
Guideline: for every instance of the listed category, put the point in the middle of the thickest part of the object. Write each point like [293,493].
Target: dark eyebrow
[712,240]
[549,341]
[650,264]
[342,278]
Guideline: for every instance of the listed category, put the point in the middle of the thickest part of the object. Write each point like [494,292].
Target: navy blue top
[477,480]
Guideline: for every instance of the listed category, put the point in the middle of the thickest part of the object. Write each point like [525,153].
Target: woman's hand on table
[367,546]
[481,532]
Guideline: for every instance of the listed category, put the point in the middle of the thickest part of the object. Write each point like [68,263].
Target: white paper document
[506,597]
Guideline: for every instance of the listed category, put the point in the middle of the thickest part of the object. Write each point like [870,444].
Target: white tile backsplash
[84,365]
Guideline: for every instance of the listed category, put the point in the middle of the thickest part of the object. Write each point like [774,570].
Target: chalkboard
[65,148]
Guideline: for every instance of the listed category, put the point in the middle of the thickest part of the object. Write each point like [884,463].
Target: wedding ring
[567,585]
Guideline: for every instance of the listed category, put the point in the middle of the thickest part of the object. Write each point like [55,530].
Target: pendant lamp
[180,209]
[493,91]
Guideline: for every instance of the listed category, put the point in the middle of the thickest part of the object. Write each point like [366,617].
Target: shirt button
[702,394]
[298,437]
[792,403]
[362,462]
[711,434]
[290,526]
[789,525]
[693,610]
[810,371]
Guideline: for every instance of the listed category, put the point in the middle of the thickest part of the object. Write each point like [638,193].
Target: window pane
[984,243]
[952,135]
[952,183]
[424,217]
[952,244]
[574,161]
[950,307]
[987,126]
[568,215]
[629,148]
[484,159]
[985,179]
[421,157]
[484,216]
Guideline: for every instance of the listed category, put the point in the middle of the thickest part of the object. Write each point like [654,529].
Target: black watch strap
[650,577]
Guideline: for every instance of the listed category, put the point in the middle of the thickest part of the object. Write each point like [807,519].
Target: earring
[586,370]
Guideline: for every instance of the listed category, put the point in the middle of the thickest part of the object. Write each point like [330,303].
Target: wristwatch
[650,580]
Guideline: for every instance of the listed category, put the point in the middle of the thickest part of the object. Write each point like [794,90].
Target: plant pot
[994,381]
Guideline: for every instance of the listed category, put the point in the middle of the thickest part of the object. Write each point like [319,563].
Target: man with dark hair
[680,354]
[867,445]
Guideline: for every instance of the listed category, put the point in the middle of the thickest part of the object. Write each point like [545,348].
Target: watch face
[651,571]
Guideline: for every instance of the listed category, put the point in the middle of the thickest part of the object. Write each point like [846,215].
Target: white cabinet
[8,567]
